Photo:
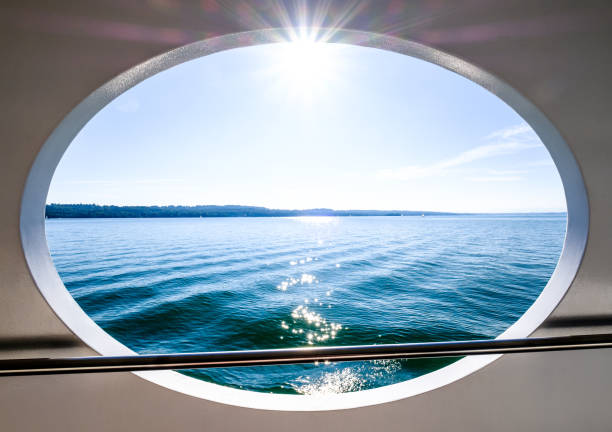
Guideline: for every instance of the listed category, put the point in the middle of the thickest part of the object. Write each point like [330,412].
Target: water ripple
[172,285]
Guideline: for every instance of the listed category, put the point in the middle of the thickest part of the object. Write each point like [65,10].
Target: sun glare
[305,66]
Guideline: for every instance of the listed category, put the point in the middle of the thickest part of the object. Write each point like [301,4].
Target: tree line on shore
[112,211]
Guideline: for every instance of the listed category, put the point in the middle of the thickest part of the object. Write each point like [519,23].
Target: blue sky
[302,125]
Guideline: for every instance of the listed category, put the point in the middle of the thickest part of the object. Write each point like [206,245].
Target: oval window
[300,194]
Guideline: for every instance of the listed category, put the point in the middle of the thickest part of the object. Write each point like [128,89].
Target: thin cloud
[496,179]
[541,163]
[443,167]
[496,172]
[511,132]
[507,141]
[484,152]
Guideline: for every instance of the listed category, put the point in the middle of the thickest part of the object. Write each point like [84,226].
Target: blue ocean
[210,284]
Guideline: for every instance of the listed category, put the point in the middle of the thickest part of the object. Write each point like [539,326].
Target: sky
[310,125]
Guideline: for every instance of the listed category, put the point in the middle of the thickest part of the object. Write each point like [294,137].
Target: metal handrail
[46,366]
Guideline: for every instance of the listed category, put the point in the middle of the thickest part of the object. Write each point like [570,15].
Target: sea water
[212,284]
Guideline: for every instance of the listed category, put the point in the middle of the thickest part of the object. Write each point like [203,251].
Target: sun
[305,67]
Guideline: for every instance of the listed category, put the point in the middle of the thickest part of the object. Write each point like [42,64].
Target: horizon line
[308,209]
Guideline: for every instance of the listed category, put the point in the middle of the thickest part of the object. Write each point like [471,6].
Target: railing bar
[46,366]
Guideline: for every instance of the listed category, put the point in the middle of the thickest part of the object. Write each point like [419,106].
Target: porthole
[318,293]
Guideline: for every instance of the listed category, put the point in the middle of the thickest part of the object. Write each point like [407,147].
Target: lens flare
[305,65]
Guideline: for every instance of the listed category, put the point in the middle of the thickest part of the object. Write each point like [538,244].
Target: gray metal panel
[555,53]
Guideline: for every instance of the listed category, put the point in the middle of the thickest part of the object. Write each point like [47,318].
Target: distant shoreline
[91,211]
